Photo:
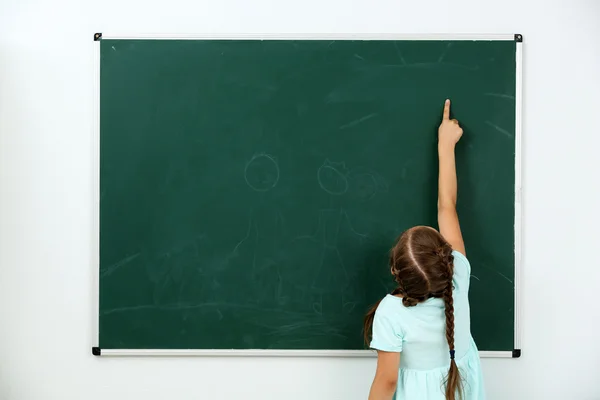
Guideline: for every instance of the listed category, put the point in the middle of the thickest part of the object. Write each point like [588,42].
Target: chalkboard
[250,189]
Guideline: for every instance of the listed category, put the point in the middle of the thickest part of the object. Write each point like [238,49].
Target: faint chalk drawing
[496,271]
[332,179]
[430,65]
[112,268]
[349,307]
[341,260]
[402,60]
[262,172]
[366,186]
[318,306]
[336,180]
[179,306]
[441,57]
[504,276]
[234,253]
[324,224]
[255,246]
[501,95]
[366,183]
[351,228]
[499,129]
[281,299]
[358,121]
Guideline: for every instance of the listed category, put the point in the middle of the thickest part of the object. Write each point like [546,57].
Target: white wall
[45,198]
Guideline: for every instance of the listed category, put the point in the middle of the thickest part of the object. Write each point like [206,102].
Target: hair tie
[452,354]
[409,301]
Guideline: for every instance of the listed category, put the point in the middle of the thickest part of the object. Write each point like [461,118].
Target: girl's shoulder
[462,271]
[461,260]
[389,305]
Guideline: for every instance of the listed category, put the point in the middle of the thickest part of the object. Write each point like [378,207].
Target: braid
[449,303]
[453,379]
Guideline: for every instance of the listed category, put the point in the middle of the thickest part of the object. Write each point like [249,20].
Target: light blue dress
[419,333]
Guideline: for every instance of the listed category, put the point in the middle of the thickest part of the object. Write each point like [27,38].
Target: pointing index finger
[447,110]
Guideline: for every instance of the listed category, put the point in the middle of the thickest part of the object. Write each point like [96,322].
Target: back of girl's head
[423,265]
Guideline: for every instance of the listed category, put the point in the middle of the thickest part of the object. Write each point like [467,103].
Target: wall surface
[45,197]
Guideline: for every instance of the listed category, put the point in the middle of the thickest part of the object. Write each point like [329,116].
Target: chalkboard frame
[95,157]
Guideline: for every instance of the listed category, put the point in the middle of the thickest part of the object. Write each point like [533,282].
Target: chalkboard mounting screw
[516,353]
[97,36]
[96,351]
[518,37]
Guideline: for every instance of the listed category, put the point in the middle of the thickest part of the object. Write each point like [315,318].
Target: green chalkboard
[250,190]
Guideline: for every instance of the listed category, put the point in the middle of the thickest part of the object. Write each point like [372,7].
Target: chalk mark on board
[191,306]
[342,262]
[112,268]
[432,65]
[320,267]
[337,229]
[399,53]
[255,247]
[499,129]
[321,230]
[497,272]
[366,185]
[267,180]
[473,276]
[318,306]
[279,286]
[331,171]
[359,57]
[282,221]
[235,249]
[332,333]
[444,52]
[361,235]
[443,63]
[500,95]
[286,329]
[357,121]
[504,276]
[349,307]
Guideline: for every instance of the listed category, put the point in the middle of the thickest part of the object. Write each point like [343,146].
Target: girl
[426,318]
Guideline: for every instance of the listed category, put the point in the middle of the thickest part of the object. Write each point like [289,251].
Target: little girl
[426,318]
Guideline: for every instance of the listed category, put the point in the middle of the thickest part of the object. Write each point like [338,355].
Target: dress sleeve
[386,336]
[462,272]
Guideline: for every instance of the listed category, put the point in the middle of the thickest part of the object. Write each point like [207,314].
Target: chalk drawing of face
[262,172]
[366,183]
[332,178]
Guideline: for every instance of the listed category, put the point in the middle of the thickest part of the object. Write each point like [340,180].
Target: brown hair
[423,265]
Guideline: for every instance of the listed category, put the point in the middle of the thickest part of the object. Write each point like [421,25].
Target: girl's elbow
[383,388]
[446,204]
[389,383]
